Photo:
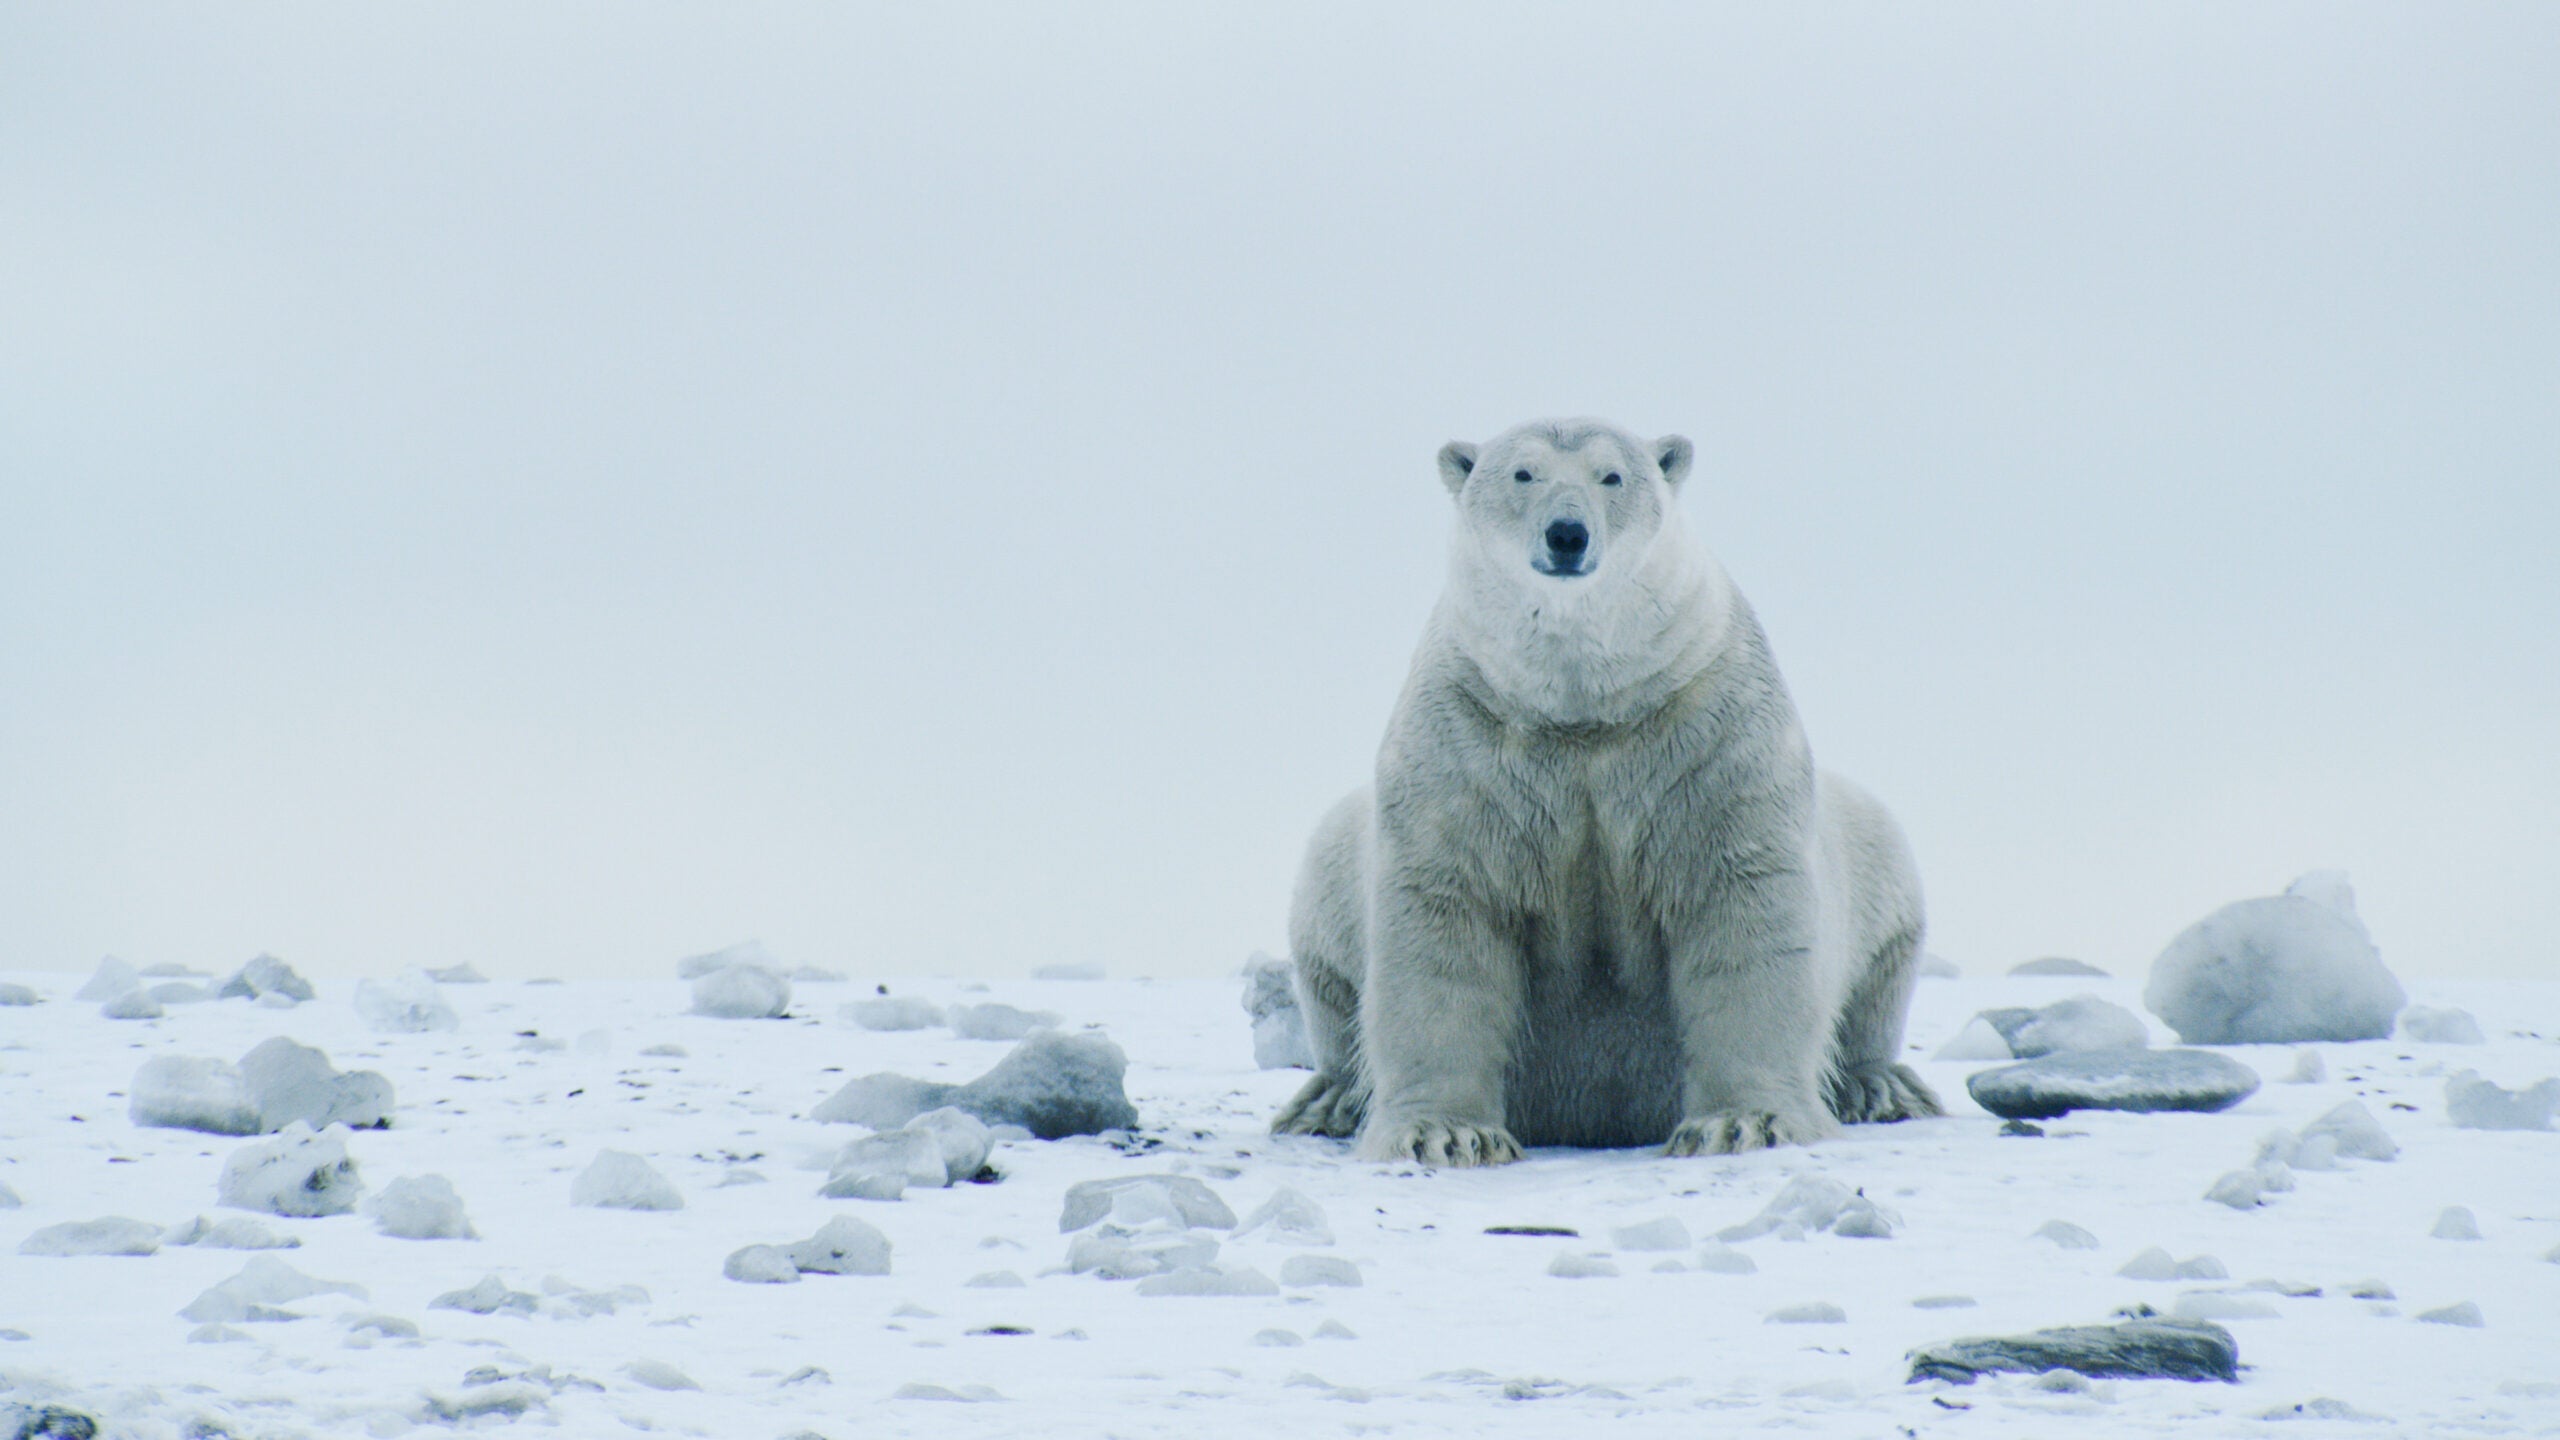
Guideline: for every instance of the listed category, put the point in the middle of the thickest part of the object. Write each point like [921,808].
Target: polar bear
[1598,894]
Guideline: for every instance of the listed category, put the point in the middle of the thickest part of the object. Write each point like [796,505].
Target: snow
[1447,1320]
[2278,970]
[407,1004]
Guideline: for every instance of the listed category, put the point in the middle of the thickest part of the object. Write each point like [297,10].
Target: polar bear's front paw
[1327,1105]
[1736,1132]
[1453,1143]
[1880,1094]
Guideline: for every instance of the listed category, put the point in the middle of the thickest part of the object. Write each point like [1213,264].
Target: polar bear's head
[1563,502]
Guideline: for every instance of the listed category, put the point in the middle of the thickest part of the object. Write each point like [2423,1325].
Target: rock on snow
[2138,1080]
[619,1180]
[2147,1349]
[2278,970]
[298,1173]
[1053,1085]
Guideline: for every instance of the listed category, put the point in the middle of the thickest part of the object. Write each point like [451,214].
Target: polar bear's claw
[1326,1105]
[1880,1094]
[1455,1144]
[1738,1132]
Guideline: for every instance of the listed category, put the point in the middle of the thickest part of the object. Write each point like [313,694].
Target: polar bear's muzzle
[1566,552]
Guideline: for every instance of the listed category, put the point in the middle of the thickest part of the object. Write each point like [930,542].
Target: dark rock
[2138,1080]
[2148,1349]
[1053,1085]
[51,1422]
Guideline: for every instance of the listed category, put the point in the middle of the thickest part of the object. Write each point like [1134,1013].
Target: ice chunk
[966,1394]
[260,1285]
[1052,1084]
[742,992]
[751,952]
[1978,1040]
[406,1004]
[842,1246]
[1566,1266]
[2066,1235]
[1334,1330]
[1818,1312]
[2080,1023]
[2463,1313]
[179,992]
[298,1173]
[9,1198]
[113,1235]
[994,1280]
[1814,1203]
[132,1005]
[993,1022]
[184,1092]
[1081,970]
[2238,1189]
[1117,1253]
[263,977]
[235,1232]
[2476,1103]
[461,974]
[290,1082]
[761,1265]
[963,1139]
[490,1297]
[1944,1302]
[2058,965]
[2456,1223]
[1318,1270]
[1278,1338]
[2353,1130]
[2307,1069]
[666,1052]
[2147,1349]
[2278,970]
[1289,1218]
[2137,1080]
[1210,1280]
[112,978]
[1939,967]
[1717,1258]
[2329,889]
[863,1168]
[894,1012]
[2155,1263]
[1192,1202]
[817,975]
[659,1375]
[1279,1027]
[2440,1027]
[619,1180]
[14,995]
[421,1207]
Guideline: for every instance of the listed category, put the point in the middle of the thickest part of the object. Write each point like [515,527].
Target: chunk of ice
[421,1207]
[299,1173]
[619,1180]
[406,1004]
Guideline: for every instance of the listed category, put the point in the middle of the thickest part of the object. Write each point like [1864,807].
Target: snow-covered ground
[1453,1331]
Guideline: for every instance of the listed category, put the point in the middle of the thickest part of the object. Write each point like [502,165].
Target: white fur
[1598,894]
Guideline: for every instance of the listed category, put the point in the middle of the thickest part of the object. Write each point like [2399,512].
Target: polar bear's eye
[1609,479]
[1523,476]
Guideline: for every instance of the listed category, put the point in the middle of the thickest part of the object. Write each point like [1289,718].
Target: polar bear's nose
[1568,537]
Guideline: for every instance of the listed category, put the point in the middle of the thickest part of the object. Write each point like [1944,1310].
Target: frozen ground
[1452,1332]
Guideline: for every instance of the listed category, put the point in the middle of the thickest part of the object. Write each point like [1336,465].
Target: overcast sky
[950,488]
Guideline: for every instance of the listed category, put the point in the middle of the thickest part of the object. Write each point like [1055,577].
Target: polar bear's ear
[1672,453]
[1458,461]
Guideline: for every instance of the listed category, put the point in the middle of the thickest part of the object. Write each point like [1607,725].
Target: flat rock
[132,1005]
[2137,1080]
[2279,970]
[1052,1084]
[2148,1349]
[2058,965]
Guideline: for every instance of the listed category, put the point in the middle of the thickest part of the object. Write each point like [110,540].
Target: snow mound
[1279,1026]
[461,974]
[1179,1197]
[1080,970]
[132,1005]
[298,1173]
[112,1235]
[894,1012]
[2275,971]
[1303,1270]
[185,1092]
[1939,967]
[17,995]
[1053,1085]
[1211,1280]
[262,1284]
[263,978]
[234,1232]
[2350,1130]
[2463,1313]
[2155,1263]
[290,1082]
[995,1022]
[1818,1312]
[619,1180]
[1666,1233]
[1569,1266]
[2059,965]
[2473,1102]
[2066,1235]
[2456,1223]
[406,1004]
[420,1207]
[742,992]
[2440,1027]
